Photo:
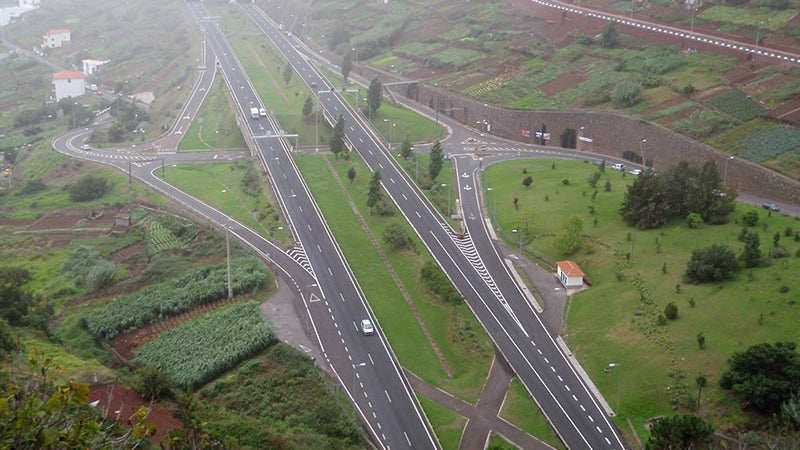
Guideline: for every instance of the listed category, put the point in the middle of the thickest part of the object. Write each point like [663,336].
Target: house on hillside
[69,84]
[90,66]
[9,13]
[56,38]
[570,275]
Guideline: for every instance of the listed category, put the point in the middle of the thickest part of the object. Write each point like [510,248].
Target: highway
[479,273]
[365,365]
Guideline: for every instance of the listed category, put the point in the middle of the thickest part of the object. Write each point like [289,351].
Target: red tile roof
[68,75]
[570,269]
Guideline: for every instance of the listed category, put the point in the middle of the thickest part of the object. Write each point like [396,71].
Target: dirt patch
[789,112]
[563,82]
[119,403]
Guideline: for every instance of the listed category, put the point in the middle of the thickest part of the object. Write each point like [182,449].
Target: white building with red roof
[56,38]
[69,84]
[570,275]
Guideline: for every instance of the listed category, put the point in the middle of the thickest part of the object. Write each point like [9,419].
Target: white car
[619,167]
[367,328]
[636,171]
[262,112]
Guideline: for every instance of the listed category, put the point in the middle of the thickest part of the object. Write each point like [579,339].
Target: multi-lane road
[478,271]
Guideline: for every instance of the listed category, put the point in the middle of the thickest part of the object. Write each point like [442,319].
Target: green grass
[220,186]
[520,410]
[215,127]
[658,363]
[464,345]
[448,425]
[768,19]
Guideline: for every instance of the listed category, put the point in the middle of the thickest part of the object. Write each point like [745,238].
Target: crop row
[768,144]
[766,18]
[160,238]
[174,297]
[737,105]
[208,346]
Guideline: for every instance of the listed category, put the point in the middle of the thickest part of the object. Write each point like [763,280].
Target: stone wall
[611,133]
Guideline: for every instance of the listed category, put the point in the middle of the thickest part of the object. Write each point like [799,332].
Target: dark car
[770,206]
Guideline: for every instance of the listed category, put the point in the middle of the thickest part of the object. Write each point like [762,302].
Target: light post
[448,199]
[619,379]
[641,151]
[758,33]
[518,231]
[725,176]
[356,52]
[494,203]
[691,30]
[488,120]
[391,133]
[631,9]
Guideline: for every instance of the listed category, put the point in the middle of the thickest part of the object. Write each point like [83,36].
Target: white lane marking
[387,396]
[407,439]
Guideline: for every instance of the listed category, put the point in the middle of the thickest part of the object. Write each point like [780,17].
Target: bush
[714,263]
[778,252]
[438,284]
[626,94]
[565,181]
[694,220]
[671,311]
[88,188]
[750,218]
[396,236]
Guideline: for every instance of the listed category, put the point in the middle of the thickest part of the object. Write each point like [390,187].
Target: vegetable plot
[174,297]
[208,346]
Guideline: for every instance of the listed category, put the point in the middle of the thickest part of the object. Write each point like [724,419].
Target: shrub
[714,263]
[750,218]
[438,284]
[671,311]
[565,181]
[89,187]
[778,252]
[626,94]
[694,220]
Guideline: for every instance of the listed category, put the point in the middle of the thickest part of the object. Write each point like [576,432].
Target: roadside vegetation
[661,330]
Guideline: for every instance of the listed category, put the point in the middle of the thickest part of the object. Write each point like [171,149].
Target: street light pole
[691,30]
[518,231]
[448,199]
[641,151]
[619,379]
[489,190]
[316,126]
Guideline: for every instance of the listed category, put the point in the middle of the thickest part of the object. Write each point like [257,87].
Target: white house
[9,13]
[90,66]
[68,84]
[570,275]
[56,38]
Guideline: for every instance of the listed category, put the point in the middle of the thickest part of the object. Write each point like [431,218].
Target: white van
[619,167]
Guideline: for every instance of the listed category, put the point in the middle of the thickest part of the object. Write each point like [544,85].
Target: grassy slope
[658,363]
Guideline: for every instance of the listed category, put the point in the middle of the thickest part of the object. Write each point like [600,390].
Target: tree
[714,263]
[680,432]
[701,381]
[701,340]
[709,197]
[396,236]
[374,95]
[337,137]
[14,301]
[626,94]
[88,187]
[609,36]
[527,181]
[405,148]
[569,138]
[671,311]
[374,194]
[39,414]
[351,174]
[436,160]
[347,66]
[764,376]
[308,106]
[570,236]
[752,251]
[153,384]
[287,73]
[646,204]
